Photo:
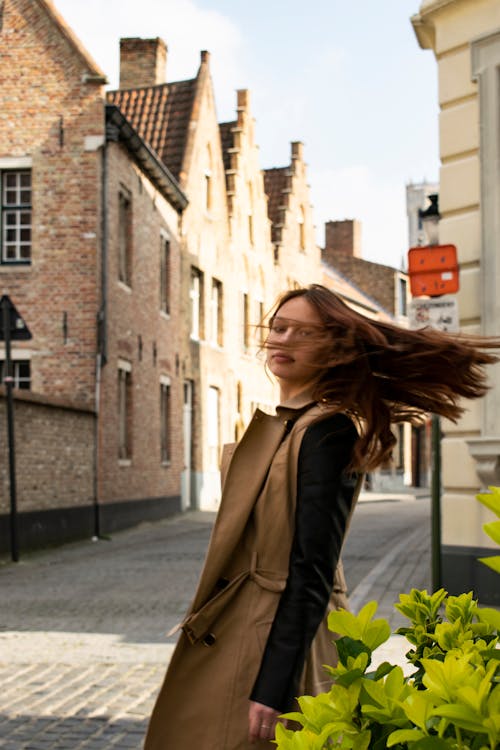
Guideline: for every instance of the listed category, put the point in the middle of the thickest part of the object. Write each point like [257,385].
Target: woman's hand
[261,722]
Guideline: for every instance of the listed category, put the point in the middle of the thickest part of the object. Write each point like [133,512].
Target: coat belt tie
[197,624]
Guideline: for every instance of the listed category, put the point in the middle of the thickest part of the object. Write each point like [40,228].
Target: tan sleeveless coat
[204,700]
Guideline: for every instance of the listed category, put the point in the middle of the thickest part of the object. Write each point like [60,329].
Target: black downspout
[102,333]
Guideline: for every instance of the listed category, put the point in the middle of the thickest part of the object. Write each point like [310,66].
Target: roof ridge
[74,41]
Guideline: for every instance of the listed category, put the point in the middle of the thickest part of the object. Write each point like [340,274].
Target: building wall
[254,271]
[416,199]
[53,124]
[143,337]
[299,257]
[54,458]
[452,31]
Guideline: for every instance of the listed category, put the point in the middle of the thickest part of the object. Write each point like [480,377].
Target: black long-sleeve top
[325,494]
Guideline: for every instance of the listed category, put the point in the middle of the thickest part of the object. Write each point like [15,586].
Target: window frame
[196,303]
[165,420]
[19,380]
[124,239]
[125,407]
[245,320]
[19,208]
[165,273]
[216,308]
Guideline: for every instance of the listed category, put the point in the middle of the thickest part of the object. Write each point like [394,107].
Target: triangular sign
[19,331]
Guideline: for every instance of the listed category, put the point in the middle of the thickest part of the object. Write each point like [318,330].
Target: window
[216,313]
[165,420]
[125,237]
[403,296]
[124,411]
[21,373]
[302,229]
[245,333]
[250,214]
[213,427]
[260,323]
[196,300]
[208,179]
[399,453]
[165,274]
[16,216]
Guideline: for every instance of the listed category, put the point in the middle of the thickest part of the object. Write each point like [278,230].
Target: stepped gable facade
[296,253]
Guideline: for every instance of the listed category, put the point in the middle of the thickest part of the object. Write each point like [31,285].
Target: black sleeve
[324,500]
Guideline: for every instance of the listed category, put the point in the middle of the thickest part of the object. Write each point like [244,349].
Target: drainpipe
[102,338]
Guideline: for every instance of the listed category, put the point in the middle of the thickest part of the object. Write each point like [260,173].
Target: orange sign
[433,270]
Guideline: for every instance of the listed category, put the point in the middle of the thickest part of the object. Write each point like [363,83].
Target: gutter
[118,128]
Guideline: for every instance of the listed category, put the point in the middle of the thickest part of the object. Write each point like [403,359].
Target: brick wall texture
[54,454]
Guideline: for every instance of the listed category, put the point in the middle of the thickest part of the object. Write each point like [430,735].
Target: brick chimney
[143,62]
[342,238]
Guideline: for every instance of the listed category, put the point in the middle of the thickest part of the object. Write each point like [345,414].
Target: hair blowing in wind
[380,373]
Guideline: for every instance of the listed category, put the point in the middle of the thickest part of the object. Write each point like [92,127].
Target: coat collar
[298,403]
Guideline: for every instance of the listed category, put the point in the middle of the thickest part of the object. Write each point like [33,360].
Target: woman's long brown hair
[380,373]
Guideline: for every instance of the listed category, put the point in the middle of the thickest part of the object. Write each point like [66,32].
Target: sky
[348,79]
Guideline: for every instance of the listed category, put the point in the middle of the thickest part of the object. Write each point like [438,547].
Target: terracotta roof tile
[276,185]
[161,116]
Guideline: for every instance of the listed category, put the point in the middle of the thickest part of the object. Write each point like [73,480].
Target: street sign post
[12,328]
[437,312]
[433,270]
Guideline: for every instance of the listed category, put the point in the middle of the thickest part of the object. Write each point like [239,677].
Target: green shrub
[447,698]
[491,500]
[451,699]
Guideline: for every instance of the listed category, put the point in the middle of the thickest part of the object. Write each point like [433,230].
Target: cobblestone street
[83,644]
[83,655]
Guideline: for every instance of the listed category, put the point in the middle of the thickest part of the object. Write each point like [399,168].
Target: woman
[256,635]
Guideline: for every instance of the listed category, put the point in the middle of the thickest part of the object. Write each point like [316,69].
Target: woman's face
[296,342]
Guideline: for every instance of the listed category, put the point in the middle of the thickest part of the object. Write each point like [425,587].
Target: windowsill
[166,464]
[124,462]
[164,315]
[14,267]
[125,287]
[215,346]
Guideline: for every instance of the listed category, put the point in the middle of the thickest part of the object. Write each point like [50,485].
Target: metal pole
[436,502]
[8,380]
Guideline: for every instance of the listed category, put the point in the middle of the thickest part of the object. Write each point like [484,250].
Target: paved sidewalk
[82,672]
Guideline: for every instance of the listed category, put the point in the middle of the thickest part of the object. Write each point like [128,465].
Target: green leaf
[400,736]
[489,615]
[492,562]
[493,530]
[360,627]
[348,647]
[381,671]
[418,707]
[491,499]
[432,743]
[462,716]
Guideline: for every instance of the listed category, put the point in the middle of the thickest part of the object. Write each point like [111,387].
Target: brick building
[143,244]
[385,288]
[98,287]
